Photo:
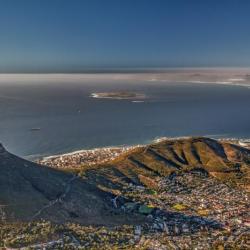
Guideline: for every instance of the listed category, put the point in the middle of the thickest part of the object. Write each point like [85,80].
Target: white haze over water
[230,76]
[178,103]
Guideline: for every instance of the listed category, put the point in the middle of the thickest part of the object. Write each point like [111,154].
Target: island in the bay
[120,95]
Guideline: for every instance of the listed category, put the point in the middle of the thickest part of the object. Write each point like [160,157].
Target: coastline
[87,157]
[156,140]
[90,157]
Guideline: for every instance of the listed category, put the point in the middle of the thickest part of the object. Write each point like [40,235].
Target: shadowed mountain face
[225,161]
[29,191]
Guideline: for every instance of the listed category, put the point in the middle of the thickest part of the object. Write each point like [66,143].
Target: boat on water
[35,129]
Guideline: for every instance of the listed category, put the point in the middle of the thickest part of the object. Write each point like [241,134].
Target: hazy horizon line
[127,70]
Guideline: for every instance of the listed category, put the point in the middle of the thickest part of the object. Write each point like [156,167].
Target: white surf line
[126,148]
[81,151]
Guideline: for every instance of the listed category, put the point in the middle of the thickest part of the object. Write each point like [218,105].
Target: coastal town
[187,211]
[85,157]
[95,156]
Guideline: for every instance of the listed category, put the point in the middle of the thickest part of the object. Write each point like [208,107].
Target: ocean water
[70,119]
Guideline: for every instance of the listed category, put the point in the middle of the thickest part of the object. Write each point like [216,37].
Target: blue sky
[75,35]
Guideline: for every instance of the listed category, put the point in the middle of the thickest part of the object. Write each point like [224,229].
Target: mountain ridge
[223,160]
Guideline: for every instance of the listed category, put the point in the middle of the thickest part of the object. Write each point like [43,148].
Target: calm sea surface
[69,119]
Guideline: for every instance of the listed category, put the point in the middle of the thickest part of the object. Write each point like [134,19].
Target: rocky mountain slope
[29,192]
[222,160]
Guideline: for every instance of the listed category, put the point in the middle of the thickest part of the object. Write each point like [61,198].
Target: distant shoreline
[105,154]
[89,150]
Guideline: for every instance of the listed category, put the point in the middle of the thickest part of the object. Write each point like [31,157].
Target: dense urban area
[188,211]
